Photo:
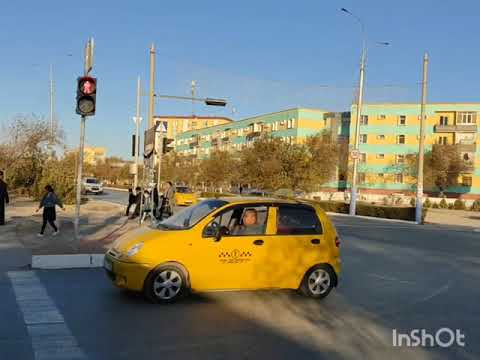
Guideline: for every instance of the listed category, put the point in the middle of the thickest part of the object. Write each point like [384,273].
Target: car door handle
[258,242]
[315,241]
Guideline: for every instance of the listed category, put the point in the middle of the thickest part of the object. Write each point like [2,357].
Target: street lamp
[355,152]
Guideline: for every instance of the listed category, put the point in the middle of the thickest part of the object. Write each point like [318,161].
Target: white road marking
[51,337]
[388,278]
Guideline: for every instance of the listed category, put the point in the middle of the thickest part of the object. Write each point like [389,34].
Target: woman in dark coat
[48,203]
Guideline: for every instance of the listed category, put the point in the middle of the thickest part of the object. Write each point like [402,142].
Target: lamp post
[356,152]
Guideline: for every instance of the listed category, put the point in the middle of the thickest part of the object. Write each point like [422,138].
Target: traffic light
[166,145]
[215,102]
[86,95]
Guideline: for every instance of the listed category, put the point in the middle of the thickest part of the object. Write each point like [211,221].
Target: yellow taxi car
[184,196]
[230,244]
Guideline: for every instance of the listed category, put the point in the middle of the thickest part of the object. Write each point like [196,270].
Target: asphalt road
[114,196]
[395,276]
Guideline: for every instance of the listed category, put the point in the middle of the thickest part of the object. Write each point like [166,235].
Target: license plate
[107,264]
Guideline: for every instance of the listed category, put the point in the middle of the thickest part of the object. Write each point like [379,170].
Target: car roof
[257,199]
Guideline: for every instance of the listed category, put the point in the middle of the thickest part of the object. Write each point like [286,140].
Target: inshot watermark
[444,337]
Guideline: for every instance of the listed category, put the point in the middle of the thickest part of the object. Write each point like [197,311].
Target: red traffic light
[86,95]
[87,85]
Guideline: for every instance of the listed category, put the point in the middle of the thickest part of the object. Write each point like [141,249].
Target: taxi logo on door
[234,256]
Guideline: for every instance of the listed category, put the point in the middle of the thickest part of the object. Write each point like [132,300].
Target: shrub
[365,209]
[427,203]
[443,204]
[459,205]
[412,201]
[450,206]
[475,206]
[435,206]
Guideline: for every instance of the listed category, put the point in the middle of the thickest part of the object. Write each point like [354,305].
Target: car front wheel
[166,284]
[318,282]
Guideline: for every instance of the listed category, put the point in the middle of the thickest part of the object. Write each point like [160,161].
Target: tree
[24,149]
[442,167]
[218,170]
[271,163]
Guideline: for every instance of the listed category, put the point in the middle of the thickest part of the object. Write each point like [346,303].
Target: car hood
[143,234]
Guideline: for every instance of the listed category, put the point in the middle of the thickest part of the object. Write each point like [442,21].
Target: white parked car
[92,185]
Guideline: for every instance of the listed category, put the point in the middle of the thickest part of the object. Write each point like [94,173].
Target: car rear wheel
[166,284]
[318,282]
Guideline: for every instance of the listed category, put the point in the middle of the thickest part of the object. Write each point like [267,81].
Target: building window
[381,137]
[466,118]
[443,120]
[400,159]
[275,126]
[399,178]
[401,139]
[380,175]
[363,138]
[442,140]
[402,120]
[363,158]
[380,156]
[467,181]
[382,117]
[364,120]
[361,178]
[291,123]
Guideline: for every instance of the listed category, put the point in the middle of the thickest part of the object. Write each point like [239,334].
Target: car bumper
[126,275]
[336,264]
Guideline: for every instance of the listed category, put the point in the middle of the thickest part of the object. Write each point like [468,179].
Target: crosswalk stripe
[51,337]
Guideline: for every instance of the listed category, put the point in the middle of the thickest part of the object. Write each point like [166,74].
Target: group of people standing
[160,206]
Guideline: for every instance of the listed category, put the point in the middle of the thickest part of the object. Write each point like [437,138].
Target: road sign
[355,154]
[162,126]
[149,141]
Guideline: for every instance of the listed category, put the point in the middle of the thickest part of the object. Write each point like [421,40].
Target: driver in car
[249,224]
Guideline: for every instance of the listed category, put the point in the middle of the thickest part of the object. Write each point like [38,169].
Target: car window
[182,190]
[92,181]
[190,216]
[297,220]
[240,221]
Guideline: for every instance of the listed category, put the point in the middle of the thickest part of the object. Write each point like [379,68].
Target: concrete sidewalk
[100,224]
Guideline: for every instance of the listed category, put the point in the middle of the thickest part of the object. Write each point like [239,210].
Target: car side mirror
[210,232]
[221,232]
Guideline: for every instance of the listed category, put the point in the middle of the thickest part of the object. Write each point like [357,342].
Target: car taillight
[337,241]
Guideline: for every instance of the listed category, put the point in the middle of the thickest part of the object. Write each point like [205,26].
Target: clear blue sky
[263,56]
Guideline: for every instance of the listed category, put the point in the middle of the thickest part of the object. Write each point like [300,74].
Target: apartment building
[292,125]
[179,124]
[389,132]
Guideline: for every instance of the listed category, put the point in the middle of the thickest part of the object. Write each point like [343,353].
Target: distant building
[292,125]
[94,155]
[390,131]
[180,124]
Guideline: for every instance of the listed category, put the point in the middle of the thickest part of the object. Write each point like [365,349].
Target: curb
[372,218]
[74,261]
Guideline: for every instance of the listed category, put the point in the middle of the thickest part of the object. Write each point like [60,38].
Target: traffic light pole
[88,64]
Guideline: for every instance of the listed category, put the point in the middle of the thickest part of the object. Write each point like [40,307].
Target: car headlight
[134,249]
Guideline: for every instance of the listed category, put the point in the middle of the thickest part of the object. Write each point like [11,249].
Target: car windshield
[183,190]
[92,181]
[190,216]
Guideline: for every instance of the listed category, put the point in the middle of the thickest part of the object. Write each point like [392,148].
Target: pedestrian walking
[4,199]
[131,201]
[49,201]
